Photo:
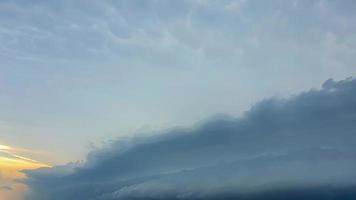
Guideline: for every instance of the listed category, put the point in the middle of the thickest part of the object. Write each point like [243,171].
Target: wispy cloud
[11,165]
[14,154]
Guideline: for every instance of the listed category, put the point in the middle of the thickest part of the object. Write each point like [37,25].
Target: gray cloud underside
[279,147]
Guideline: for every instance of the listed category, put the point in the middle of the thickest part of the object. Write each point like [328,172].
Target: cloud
[6,188]
[130,60]
[301,146]
[182,31]
[13,155]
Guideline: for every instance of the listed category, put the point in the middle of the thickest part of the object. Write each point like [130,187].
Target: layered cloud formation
[300,147]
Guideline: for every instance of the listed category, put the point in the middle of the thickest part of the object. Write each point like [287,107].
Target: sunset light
[11,165]
[3,147]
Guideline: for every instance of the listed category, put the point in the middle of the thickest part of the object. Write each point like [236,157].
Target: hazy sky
[76,72]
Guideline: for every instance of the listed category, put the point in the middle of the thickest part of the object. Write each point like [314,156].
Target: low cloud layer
[300,147]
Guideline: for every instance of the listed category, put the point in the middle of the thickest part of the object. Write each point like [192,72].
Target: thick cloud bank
[302,147]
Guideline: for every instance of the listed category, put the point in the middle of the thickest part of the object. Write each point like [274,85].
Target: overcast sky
[78,72]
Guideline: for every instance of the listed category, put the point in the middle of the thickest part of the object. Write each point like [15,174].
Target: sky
[11,164]
[80,79]
[301,147]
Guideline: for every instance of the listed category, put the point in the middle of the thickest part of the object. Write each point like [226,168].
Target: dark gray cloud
[300,147]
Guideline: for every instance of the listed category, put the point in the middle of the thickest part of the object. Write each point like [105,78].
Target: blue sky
[77,72]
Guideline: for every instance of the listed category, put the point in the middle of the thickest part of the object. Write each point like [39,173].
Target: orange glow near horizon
[3,147]
[11,165]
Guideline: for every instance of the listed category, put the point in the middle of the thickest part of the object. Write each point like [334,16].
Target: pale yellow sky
[11,164]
